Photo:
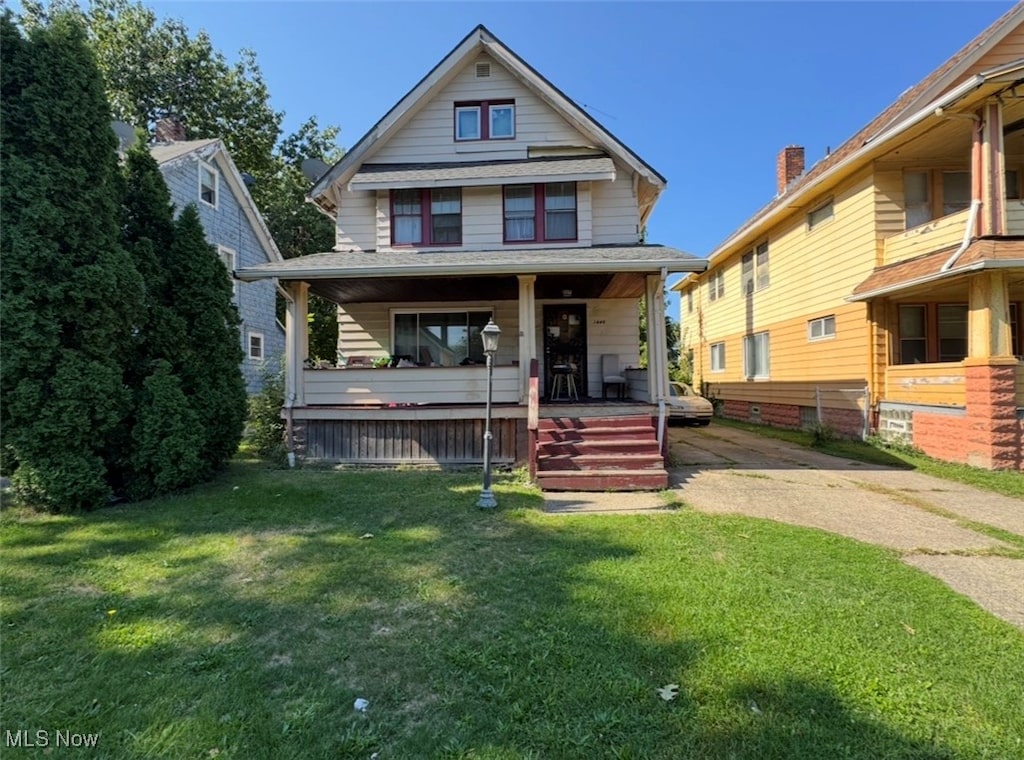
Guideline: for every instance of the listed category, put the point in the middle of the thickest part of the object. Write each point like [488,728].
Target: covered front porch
[572,316]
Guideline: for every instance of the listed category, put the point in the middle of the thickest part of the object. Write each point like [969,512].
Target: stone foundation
[848,423]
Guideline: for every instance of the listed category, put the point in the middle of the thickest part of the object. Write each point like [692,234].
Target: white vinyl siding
[357,222]
[429,134]
[616,214]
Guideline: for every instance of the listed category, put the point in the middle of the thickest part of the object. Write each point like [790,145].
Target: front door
[565,349]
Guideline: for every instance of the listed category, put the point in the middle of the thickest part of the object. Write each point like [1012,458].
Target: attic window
[485,120]
[483,70]
[208,184]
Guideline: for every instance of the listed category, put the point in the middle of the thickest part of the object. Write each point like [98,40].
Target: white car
[688,405]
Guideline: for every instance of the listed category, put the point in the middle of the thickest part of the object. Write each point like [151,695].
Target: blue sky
[707,93]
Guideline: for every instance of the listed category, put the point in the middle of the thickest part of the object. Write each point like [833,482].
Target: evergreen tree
[208,362]
[69,292]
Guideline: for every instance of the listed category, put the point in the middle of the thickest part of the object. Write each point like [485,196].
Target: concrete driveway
[931,522]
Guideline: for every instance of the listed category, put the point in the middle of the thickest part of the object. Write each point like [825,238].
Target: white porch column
[657,345]
[527,332]
[296,342]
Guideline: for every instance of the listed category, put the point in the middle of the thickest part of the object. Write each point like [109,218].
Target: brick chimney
[169,129]
[789,166]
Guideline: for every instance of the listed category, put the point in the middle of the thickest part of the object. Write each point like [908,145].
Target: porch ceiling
[502,288]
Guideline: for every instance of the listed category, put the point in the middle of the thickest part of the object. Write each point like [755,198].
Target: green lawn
[243,619]
[1006,482]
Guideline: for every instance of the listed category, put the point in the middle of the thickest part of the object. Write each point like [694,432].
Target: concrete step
[603,480]
[628,462]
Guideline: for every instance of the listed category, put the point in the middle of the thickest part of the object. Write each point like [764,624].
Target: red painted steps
[599,454]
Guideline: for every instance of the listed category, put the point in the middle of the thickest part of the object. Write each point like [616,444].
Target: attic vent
[483,70]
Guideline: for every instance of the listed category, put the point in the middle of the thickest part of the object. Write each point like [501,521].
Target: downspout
[968,230]
[976,193]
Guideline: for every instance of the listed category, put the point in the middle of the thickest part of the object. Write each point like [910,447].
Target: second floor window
[426,217]
[716,285]
[540,213]
[485,120]
[755,269]
[929,195]
[208,184]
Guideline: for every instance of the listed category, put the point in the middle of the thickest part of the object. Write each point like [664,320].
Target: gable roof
[916,103]
[478,40]
[213,150]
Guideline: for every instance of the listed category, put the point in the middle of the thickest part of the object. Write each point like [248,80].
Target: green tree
[671,339]
[208,362]
[69,293]
[153,68]
[299,228]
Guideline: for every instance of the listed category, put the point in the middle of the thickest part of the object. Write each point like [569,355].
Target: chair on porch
[610,375]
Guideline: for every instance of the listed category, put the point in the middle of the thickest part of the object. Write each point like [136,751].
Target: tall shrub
[208,363]
[69,293]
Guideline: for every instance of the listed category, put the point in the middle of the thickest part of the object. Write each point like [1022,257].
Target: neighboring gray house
[202,172]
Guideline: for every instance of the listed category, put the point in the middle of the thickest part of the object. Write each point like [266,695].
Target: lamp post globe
[489,335]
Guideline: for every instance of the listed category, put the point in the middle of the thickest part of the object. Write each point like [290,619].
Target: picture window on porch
[439,338]
[557,222]
[932,333]
[426,217]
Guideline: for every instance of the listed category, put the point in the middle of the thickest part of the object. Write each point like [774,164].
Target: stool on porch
[564,385]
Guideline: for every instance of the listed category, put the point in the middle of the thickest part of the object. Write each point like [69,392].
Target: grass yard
[242,620]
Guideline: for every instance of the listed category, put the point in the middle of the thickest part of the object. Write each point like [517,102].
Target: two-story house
[882,288]
[202,173]
[484,193]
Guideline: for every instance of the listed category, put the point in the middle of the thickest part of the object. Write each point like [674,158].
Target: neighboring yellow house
[883,288]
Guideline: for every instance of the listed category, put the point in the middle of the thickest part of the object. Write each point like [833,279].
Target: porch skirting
[394,440]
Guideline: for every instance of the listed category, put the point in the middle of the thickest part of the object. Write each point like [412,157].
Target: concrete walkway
[930,522]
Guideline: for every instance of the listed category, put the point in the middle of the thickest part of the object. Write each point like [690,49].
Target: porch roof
[404,264]
[983,253]
[454,174]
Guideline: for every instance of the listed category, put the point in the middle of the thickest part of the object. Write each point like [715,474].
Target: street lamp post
[489,335]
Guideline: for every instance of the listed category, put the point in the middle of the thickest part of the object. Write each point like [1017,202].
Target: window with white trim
[754,268]
[255,346]
[819,215]
[439,338]
[822,328]
[209,181]
[229,259]
[756,357]
[716,285]
[718,357]
[485,120]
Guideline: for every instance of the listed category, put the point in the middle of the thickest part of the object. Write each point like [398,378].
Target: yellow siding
[811,273]
[939,384]
[926,238]
[889,215]
[1010,48]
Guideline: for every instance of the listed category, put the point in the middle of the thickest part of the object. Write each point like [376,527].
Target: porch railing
[926,238]
[414,385]
[940,384]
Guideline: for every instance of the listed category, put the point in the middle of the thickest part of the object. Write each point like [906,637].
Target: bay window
[540,213]
[426,217]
